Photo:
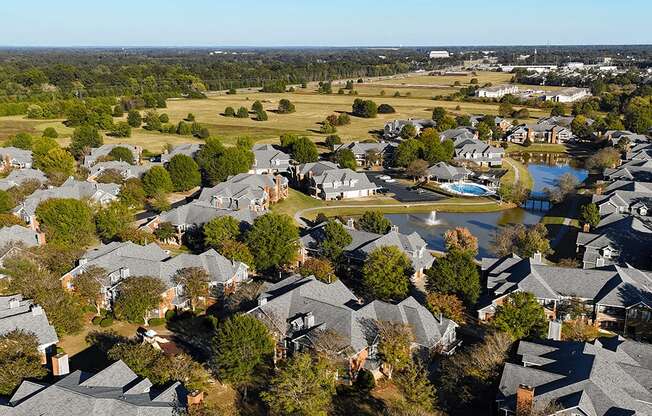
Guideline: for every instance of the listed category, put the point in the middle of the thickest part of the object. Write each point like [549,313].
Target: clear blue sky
[323,23]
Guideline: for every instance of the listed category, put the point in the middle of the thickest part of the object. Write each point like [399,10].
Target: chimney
[393,228]
[350,223]
[309,320]
[524,400]
[37,310]
[60,365]
[586,228]
[14,303]
[537,258]
[262,300]
[554,330]
[195,398]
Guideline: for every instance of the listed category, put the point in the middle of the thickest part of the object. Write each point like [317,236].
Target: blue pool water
[467,189]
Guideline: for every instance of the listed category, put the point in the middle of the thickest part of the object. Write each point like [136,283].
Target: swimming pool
[467,189]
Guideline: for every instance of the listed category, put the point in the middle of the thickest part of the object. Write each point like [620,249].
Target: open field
[537,148]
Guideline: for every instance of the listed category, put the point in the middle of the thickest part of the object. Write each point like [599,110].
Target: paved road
[403,192]
[299,214]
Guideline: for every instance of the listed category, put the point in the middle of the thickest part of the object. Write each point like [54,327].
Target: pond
[546,168]
[483,225]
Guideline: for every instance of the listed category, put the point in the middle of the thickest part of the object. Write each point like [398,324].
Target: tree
[237,251]
[460,238]
[122,154]
[513,192]
[88,287]
[194,282]
[218,230]
[374,222]
[19,360]
[83,138]
[111,220]
[229,112]
[417,390]
[273,241]
[40,147]
[57,164]
[558,109]
[303,386]
[386,273]
[408,131]
[20,141]
[132,193]
[152,121]
[448,305]
[386,109]
[407,152]
[165,231]
[438,114]
[332,141]
[260,116]
[242,351]
[603,158]
[336,238]
[285,106]
[327,128]
[468,377]
[134,119]
[184,172]
[590,214]
[394,342]
[218,162]
[417,169]
[242,113]
[484,131]
[346,159]
[456,273]
[565,186]
[580,127]
[120,129]
[364,108]
[638,114]
[304,150]
[66,221]
[521,316]
[322,269]
[137,296]
[157,181]
[505,109]
[521,240]
[579,330]
[6,202]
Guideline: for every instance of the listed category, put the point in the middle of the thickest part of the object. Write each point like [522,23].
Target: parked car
[390,180]
[384,177]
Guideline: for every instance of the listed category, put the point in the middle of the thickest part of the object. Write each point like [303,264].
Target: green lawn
[524,175]
[537,148]
[296,201]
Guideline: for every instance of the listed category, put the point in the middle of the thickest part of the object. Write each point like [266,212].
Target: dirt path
[517,173]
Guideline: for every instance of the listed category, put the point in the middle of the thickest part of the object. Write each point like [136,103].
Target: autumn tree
[394,342]
[194,282]
[374,222]
[237,251]
[386,273]
[322,269]
[88,287]
[137,296]
[460,238]
[522,240]
[19,360]
[417,169]
[418,392]
[57,164]
[242,351]
[450,306]
[303,386]
[521,316]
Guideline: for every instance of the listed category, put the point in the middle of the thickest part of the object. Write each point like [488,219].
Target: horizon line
[322,46]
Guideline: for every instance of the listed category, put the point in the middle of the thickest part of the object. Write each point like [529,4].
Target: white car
[384,177]
[390,180]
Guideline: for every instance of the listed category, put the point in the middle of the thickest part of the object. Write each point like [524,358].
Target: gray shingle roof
[443,170]
[18,234]
[18,313]
[240,191]
[105,149]
[17,156]
[108,393]
[198,213]
[268,157]
[18,176]
[606,377]
[188,149]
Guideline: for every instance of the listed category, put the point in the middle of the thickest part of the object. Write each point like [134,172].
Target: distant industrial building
[496,91]
[568,95]
[439,54]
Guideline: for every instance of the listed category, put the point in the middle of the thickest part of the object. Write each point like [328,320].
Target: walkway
[517,173]
[299,214]
[566,224]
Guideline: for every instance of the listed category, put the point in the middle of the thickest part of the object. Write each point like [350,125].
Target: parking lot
[402,192]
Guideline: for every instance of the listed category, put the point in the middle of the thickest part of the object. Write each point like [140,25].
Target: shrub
[242,113]
[157,322]
[97,319]
[365,381]
[50,132]
[229,112]
[386,109]
[106,322]
[170,315]
[164,118]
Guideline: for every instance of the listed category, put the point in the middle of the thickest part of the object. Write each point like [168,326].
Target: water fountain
[432,218]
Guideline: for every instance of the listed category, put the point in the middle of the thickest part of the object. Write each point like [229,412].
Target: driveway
[403,192]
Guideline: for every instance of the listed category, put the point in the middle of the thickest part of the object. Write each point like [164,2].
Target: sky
[324,23]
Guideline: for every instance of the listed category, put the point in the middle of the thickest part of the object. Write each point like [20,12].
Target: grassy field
[537,148]
[524,175]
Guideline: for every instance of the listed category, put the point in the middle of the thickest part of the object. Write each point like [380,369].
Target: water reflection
[483,225]
[546,168]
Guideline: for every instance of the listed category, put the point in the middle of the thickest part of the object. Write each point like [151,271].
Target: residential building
[469,149]
[612,296]
[609,376]
[122,260]
[363,243]
[187,149]
[392,129]
[195,215]
[540,133]
[18,177]
[443,172]
[368,154]
[124,169]
[327,181]
[620,201]
[301,311]
[114,391]
[567,95]
[459,134]
[17,313]
[246,191]
[268,160]
[101,193]
[614,136]
[19,235]
[15,158]
[641,171]
[501,123]
[496,91]
[100,154]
